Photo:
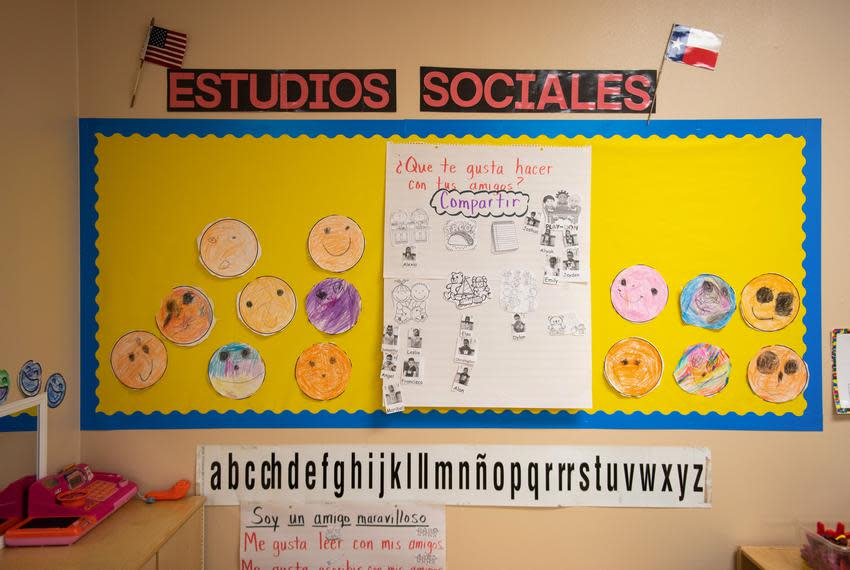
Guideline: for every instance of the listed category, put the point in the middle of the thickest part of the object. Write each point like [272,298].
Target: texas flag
[693,47]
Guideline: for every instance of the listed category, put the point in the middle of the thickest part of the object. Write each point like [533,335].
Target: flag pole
[142,63]
[658,77]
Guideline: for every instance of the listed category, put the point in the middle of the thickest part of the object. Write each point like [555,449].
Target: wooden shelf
[770,558]
[137,535]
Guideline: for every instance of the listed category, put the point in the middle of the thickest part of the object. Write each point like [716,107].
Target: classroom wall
[779,59]
[39,237]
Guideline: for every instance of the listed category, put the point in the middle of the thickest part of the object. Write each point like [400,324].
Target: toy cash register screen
[50,522]
[74,479]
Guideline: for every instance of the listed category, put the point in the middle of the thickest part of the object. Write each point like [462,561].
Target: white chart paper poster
[487,276]
[342,536]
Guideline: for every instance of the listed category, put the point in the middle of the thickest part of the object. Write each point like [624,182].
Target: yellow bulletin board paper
[730,205]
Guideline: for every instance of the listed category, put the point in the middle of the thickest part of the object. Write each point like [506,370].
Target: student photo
[388,365]
[390,338]
[410,368]
[414,339]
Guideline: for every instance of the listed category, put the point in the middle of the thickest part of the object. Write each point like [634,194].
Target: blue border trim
[810,129]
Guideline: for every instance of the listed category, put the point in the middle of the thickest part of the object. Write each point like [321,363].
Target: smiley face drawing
[322,371]
[703,369]
[266,305]
[185,316]
[29,378]
[639,293]
[633,367]
[236,370]
[336,243]
[228,248]
[707,301]
[4,385]
[138,359]
[333,306]
[770,302]
[777,374]
[55,389]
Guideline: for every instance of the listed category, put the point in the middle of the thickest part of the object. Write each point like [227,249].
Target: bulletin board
[736,198]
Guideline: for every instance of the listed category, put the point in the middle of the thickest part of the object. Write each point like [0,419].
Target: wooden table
[164,535]
[770,558]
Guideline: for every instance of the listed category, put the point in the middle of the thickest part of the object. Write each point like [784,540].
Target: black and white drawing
[566,324]
[563,206]
[466,291]
[409,227]
[410,302]
[461,235]
[519,291]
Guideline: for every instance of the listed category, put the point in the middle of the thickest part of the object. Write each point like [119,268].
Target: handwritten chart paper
[486,276]
[342,537]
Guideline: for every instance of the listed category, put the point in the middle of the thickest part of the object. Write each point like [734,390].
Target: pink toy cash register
[64,507]
[13,503]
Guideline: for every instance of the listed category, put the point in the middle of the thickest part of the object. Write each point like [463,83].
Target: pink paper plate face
[638,293]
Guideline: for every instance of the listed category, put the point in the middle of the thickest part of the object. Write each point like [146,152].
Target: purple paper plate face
[333,306]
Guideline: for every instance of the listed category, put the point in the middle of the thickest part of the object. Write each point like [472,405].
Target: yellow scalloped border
[725,205]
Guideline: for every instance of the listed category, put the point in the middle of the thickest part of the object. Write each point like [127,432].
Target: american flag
[165,47]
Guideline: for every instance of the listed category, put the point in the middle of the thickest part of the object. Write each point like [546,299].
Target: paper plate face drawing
[707,301]
[322,371]
[639,293]
[4,385]
[336,243]
[770,302]
[236,371]
[633,367]
[333,306]
[703,369]
[138,359]
[185,316]
[777,374]
[55,389]
[29,378]
[266,305]
[228,248]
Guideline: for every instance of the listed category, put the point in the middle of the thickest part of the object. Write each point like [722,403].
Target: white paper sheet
[450,252]
[339,536]
[842,367]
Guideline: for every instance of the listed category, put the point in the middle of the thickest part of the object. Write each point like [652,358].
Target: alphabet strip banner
[342,536]
[490,475]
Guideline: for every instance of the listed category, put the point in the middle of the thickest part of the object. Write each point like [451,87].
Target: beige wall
[780,59]
[39,237]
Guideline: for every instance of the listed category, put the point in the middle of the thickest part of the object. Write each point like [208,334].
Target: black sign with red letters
[462,90]
[302,90]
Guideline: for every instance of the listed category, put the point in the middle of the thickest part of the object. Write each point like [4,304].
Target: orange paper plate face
[138,359]
[322,371]
[633,367]
[777,374]
[336,243]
